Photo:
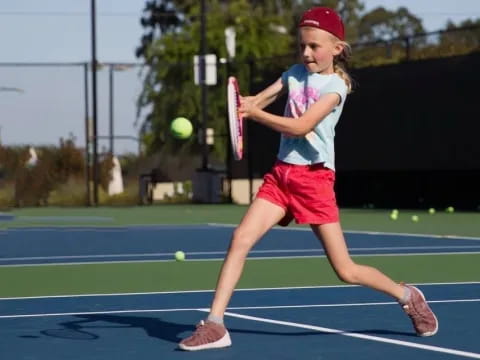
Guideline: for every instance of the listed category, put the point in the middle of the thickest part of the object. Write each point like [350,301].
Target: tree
[160,17]
[169,89]
[386,36]
[382,24]
[462,38]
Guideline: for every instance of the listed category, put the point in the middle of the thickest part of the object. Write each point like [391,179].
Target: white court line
[97,313]
[274,251]
[344,305]
[15,316]
[114,228]
[358,335]
[236,290]
[452,237]
[65,218]
[222,257]
[220,225]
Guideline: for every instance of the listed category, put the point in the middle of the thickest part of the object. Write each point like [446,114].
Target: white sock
[215,319]
[406,296]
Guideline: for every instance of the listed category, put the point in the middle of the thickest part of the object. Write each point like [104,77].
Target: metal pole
[407,48]
[203,85]
[249,142]
[111,109]
[87,138]
[229,142]
[94,103]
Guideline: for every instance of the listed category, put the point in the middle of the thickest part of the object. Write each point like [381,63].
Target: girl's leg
[260,217]
[331,236]
[411,298]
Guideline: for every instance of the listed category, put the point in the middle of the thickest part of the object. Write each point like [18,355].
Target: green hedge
[57,177]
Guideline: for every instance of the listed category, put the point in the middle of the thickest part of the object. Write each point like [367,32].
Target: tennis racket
[235,120]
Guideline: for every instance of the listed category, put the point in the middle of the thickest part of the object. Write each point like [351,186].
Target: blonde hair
[340,62]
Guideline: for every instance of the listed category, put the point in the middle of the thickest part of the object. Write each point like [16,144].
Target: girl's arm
[292,126]
[266,96]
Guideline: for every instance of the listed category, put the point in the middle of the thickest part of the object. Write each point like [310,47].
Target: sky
[51,104]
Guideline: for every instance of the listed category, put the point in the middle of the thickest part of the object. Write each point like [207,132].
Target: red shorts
[304,191]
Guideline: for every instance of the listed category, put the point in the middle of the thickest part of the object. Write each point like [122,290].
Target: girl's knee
[348,273]
[241,241]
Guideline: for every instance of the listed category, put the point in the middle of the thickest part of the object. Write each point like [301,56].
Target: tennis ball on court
[180,256]
[394,216]
[181,128]
[395,211]
[415,218]
[450,209]
[431,211]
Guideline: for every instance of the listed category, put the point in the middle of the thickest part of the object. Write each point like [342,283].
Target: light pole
[110,76]
[203,84]
[94,101]
[87,136]
[112,69]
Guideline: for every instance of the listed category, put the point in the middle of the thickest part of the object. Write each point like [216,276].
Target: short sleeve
[336,85]
[292,71]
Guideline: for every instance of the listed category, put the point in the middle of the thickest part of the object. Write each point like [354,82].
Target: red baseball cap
[324,18]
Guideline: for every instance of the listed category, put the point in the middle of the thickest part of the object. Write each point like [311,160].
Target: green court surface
[201,275]
[152,276]
[441,223]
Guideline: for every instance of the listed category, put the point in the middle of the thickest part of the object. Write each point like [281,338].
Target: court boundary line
[366,232]
[358,335]
[236,290]
[16,316]
[222,258]
[78,227]
[320,249]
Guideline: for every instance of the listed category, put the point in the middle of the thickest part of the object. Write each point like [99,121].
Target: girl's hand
[248,107]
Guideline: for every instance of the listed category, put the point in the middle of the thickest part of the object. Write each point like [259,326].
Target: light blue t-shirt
[304,89]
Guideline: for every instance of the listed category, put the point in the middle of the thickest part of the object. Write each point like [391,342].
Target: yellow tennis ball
[181,128]
[415,218]
[394,216]
[431,211]
[180,256]
[450,209]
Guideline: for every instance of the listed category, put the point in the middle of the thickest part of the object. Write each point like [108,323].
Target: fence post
[87,137]
[407,48]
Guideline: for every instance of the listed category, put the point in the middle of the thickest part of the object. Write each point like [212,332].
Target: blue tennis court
[45,245]
[296,322]
[306,323]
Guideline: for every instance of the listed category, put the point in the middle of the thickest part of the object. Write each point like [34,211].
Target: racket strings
[235,118]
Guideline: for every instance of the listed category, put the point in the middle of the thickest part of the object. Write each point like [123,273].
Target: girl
[300,184]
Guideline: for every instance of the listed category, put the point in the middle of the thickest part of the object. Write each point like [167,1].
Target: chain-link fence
[437,44]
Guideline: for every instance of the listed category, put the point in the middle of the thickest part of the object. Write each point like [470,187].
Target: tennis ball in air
[450,209]
[394,216]
[415,218]
[180,256]
[181,128]
[431,211]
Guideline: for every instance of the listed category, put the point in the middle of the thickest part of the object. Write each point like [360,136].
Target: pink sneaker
[208,335]
[423,319]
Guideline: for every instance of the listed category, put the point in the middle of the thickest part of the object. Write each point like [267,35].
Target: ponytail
[340,65]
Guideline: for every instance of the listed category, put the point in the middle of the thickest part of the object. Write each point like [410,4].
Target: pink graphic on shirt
[300,100]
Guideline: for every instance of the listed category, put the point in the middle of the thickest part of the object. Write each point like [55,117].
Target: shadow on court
[84,328]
